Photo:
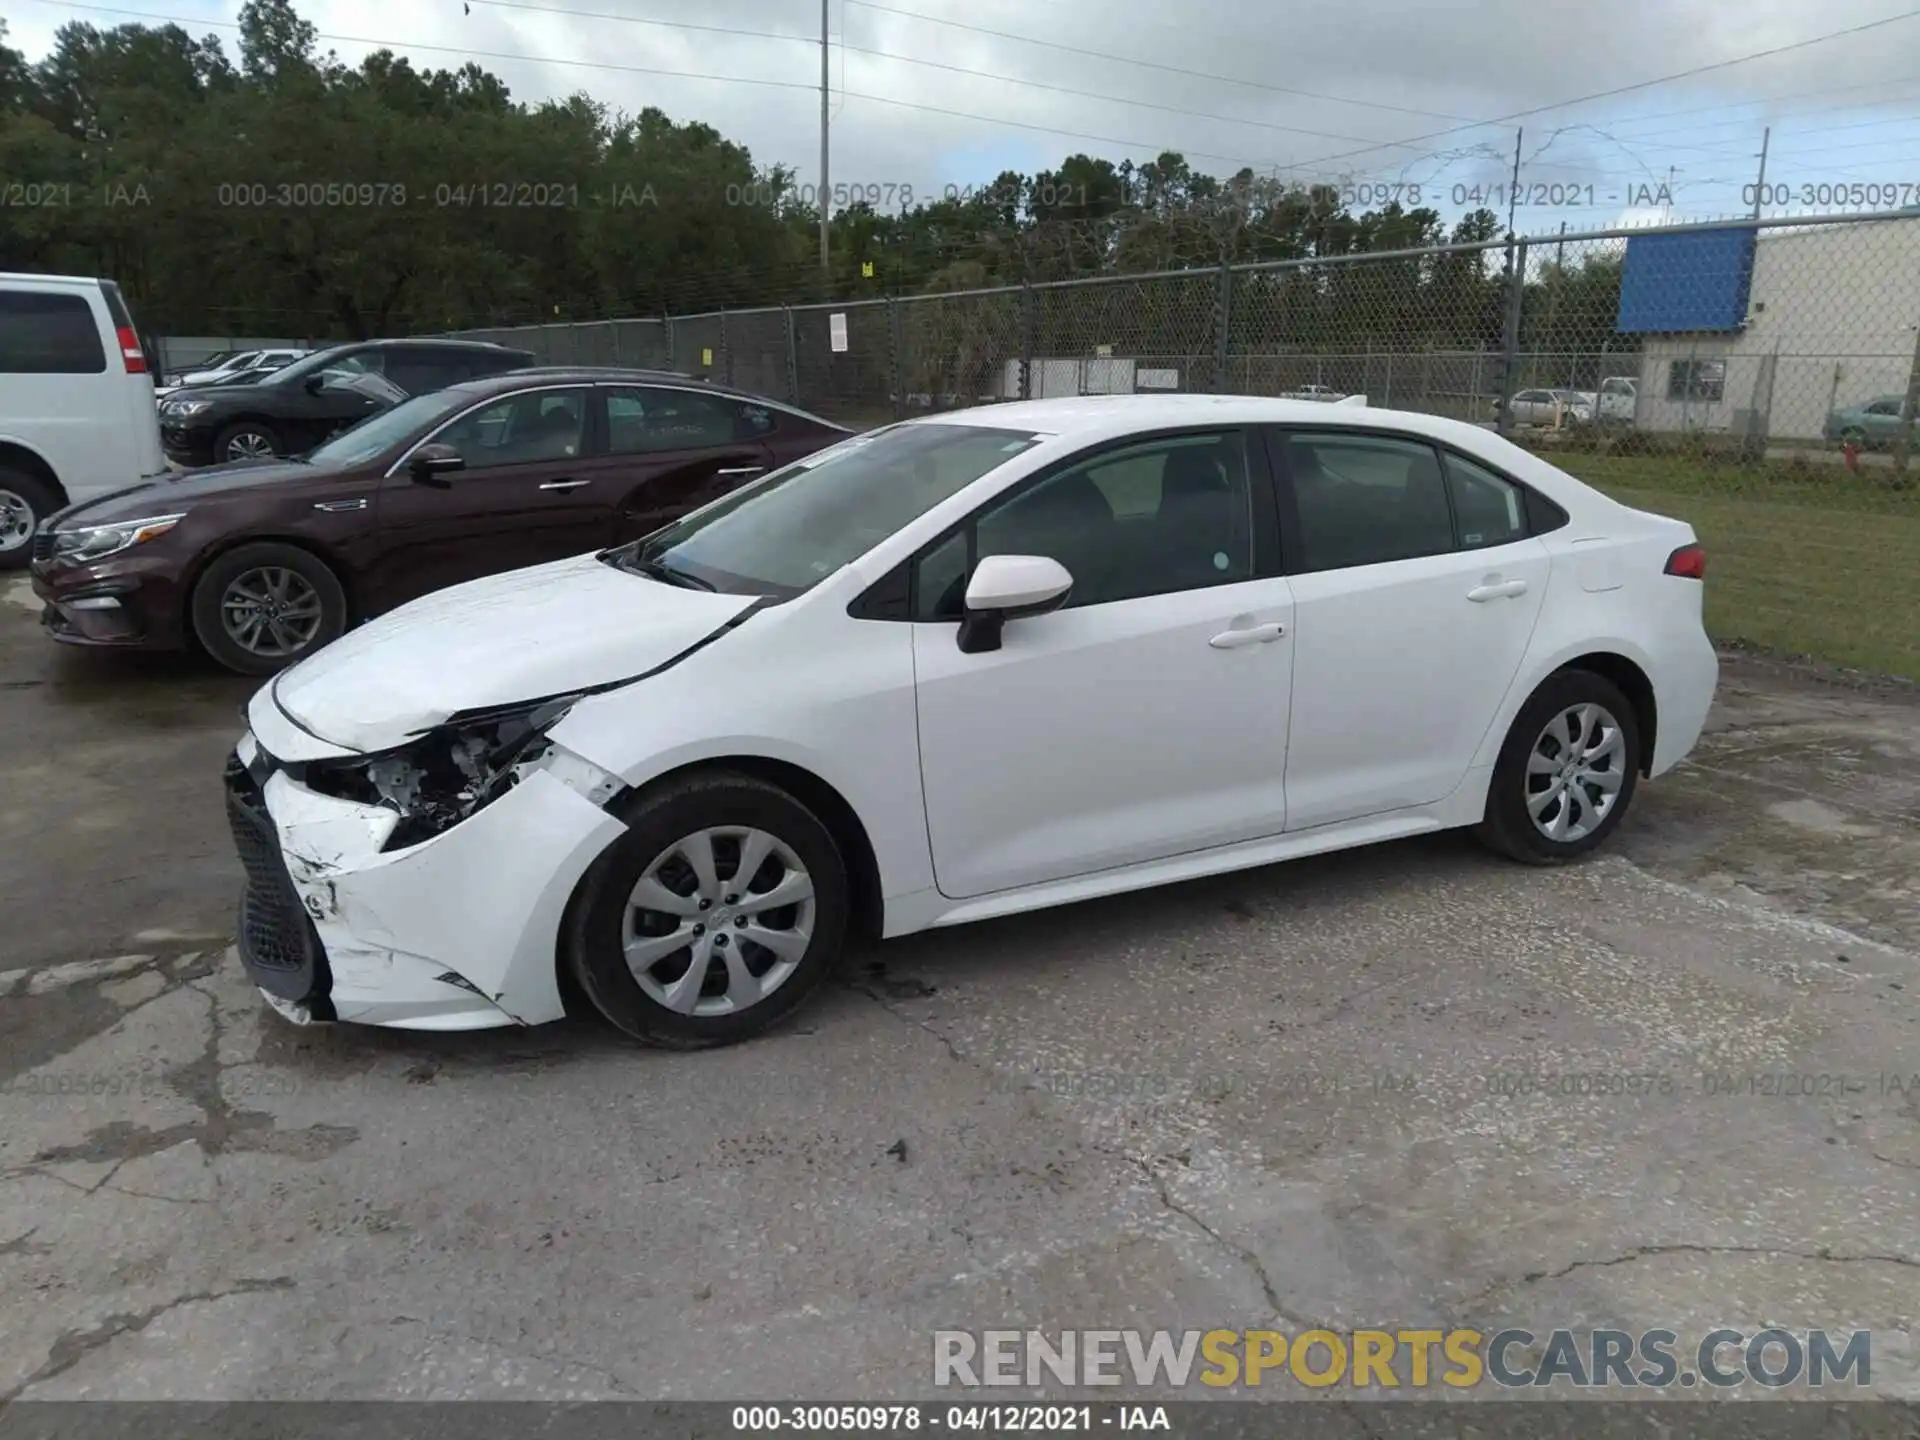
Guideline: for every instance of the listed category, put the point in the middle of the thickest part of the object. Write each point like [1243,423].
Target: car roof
[602,374]
[10,276]
[1090,419]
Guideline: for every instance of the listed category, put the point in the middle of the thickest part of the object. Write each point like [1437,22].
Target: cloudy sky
[931,94]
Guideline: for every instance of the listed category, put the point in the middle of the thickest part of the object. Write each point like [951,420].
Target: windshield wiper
[666,574]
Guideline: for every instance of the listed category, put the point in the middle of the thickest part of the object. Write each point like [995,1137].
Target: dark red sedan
[262,562]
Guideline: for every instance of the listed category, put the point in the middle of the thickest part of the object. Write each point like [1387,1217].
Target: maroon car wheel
[259,608]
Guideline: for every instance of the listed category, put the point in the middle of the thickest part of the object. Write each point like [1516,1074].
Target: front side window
[529,429]
[48,334]
[789,530]
[1167,515]
[1366,500]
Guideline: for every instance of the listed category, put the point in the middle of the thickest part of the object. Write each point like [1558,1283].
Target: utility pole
[1760,185]
[1513,188]
[826,192]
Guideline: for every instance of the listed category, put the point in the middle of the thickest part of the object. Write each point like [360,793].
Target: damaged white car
[956,668]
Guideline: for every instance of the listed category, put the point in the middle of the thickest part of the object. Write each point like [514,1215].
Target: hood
[524,635]
[183,487]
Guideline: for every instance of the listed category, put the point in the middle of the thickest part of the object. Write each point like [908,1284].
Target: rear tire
[1566,773]
[716,960]
[25,501]
[292,593]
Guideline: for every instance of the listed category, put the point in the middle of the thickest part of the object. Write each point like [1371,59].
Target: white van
[77,416]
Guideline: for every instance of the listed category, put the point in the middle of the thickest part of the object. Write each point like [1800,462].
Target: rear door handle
[1497,590]
[1252,635]
[564,484]
[335,506]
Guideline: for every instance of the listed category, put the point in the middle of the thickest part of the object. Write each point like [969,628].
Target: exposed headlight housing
[442,777]
[85,543]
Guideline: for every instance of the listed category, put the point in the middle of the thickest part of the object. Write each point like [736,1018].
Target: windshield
[788,531]
[321,360]
[377,434]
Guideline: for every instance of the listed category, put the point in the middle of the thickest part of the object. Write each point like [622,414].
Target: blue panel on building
[1696,280]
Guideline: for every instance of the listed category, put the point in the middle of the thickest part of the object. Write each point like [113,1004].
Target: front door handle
[1252,635]
[1497,590]
[742,470]
[334,507]
[564,484]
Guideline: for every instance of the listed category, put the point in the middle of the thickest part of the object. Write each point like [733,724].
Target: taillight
[1689,562]
[130,351]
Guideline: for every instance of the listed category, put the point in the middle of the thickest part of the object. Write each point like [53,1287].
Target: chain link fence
[1757,379]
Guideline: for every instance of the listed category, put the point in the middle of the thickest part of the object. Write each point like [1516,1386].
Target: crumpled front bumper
[456,933]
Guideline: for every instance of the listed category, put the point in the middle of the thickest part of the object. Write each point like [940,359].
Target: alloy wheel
[249,445]
[271,612]
[16,521]
[718,921]
[1575,771]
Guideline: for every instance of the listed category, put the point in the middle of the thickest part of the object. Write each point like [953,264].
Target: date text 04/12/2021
[908,1419]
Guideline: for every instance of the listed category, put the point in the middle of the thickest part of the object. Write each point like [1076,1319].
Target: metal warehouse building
[1769,331]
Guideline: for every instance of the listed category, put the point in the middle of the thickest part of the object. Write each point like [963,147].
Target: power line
[1618,89]
[1152,64]
[811,87]
[848,48]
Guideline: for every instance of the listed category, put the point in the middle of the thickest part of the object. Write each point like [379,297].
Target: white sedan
[955,668]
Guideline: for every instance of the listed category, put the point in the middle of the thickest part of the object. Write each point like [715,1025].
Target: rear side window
[1490,510]
[1367,499]
[49,334]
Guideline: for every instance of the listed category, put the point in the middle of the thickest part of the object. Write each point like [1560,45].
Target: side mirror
[431,464]
[316,383]
[1009,587]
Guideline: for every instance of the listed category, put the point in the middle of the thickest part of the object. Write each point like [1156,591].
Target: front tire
[716,915]
[246,440]
[1567,771]
[25,500]
[259,608]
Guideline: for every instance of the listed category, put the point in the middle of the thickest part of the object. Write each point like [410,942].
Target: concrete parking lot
[1313,1094]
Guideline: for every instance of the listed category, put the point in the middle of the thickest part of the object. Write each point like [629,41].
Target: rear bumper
[1683,688]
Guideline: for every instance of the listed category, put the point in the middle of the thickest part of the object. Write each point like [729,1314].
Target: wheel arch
[868,909]
[25,458]
[1633,682]
[819,795]
[227,545]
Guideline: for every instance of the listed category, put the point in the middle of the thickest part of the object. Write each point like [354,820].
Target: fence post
[1510,333]
[895,383]
[667,321]
[1222,328]
[1029,336]
[726,349]
[1903,441]
[793,356]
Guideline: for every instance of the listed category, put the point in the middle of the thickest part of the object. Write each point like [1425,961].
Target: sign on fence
[837,332]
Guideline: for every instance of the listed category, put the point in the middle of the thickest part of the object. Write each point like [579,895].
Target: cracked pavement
[1292,1097]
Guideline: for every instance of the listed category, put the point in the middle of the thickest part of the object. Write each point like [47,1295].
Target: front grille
[275,933]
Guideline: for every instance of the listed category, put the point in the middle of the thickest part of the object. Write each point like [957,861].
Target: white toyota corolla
[954,668]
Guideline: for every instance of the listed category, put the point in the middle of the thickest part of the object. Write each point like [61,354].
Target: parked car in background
[261,562]
[1547,407]
[298,407]
[1314,392]
[227,368]
[1871,425]
[1619,400]
[76,401]
[1015,657]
